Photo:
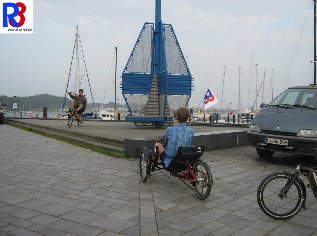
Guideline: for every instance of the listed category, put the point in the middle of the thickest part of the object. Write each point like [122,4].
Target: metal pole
[256,86]
[158,53]
[315,59]
[272,81]
[263,87]
[239,89]
[157,38]
[115,81]
[223,85]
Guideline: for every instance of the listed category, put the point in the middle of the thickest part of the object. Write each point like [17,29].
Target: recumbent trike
[186,165]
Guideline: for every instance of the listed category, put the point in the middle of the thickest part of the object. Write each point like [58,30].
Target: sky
[270,41]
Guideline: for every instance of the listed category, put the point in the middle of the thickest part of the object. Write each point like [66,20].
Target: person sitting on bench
[179,135]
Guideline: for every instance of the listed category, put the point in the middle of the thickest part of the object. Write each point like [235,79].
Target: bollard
[45,112]
[228,117]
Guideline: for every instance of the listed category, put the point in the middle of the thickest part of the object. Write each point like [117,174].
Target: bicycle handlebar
[303,169]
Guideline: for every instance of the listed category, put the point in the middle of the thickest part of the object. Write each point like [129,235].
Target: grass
[73,142]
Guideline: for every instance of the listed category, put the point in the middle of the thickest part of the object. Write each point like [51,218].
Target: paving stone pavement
[48,187]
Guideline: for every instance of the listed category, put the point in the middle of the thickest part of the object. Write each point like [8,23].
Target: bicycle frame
[289,183]
[72,117]
[187,175]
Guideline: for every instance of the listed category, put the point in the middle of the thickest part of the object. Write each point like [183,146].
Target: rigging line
[104,96]
[81,46]
[69,75]
[202,98]
[218,88]
[258,92]
[300,37]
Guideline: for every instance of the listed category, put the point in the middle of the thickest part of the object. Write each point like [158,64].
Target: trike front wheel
[202,185]
[277,203]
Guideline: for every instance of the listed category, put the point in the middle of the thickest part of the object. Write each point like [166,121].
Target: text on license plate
[277,141]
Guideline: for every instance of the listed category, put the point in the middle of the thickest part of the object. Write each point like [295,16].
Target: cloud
[211,34]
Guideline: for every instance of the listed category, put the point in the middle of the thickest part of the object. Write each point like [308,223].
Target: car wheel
[264,153]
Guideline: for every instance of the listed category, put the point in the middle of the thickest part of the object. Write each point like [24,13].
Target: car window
[299,97]
[306,98]
[287,97]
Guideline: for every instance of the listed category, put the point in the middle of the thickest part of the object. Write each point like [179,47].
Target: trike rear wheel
[202,186]
[144,165]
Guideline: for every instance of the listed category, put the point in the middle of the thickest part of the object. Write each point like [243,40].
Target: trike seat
[184,156]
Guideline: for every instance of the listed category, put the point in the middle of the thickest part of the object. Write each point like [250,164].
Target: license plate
[277,141]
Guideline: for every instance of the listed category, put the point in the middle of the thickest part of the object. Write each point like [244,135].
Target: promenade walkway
[48,187]
[117,130]
[124,138]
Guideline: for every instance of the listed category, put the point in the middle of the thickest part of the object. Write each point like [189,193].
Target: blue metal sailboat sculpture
[156,79]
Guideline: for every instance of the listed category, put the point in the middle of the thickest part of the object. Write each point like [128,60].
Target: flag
[210,99]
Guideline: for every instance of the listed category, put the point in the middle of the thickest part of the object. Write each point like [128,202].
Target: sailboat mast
[77,76]
[263,87]
[256,87]
[239,89]
[223,84]
[115,81]
[272,83]
[315,53]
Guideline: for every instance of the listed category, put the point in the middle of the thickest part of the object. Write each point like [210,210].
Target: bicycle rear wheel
[202,186]
[276,203]
[144,165]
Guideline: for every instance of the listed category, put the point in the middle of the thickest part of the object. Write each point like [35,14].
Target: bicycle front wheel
[202,185]
[277,203]
[70,122]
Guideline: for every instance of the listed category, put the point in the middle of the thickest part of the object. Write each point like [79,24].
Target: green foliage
[36,102]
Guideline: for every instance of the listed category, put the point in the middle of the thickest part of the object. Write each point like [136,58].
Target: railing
[216,118]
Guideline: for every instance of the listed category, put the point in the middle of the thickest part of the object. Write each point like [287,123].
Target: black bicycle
[73,115]
[281,195]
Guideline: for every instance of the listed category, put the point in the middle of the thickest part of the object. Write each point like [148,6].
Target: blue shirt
[177,136]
